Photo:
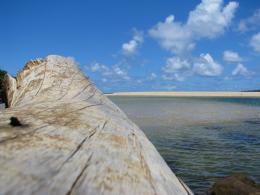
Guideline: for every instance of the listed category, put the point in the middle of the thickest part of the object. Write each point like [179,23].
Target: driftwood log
[61,135]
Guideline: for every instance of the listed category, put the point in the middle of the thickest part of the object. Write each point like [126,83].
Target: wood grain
[74,140]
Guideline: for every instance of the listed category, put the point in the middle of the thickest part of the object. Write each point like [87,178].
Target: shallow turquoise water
[201,139]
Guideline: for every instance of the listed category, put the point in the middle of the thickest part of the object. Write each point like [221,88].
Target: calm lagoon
[201,139]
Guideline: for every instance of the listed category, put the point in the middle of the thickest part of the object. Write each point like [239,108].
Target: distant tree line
[255,90]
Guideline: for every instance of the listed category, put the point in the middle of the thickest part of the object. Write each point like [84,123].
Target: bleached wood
[74,140]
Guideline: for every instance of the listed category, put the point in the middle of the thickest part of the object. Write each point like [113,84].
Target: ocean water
[201,139]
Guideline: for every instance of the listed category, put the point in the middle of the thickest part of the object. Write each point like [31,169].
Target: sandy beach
[188,94]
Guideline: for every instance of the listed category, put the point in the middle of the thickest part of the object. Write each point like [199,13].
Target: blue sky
[208,45]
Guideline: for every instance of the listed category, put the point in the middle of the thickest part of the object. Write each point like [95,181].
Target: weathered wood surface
[74,140]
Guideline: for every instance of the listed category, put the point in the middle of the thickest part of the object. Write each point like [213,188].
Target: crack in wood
[183,185]
[104,124]
[8,139]
[91,95]
[88,106]
[92,132]
[45,68]
[82,90]
[75,183]
[57,103]
[79,146]
[23,134]
[15,99]
[71,81]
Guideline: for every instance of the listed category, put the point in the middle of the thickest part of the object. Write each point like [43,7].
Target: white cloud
[175,69]
[255,42]
[208,20]
[168,87]
[175,76]
[131,47]
[101,68]
[206,66]
[231,56]
[179,69]
[120,72]
[175,65]
[172,35]
[241,70]
[152,76]
[114,72]
[250,23]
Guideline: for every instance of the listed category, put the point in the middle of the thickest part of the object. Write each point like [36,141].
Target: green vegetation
[2,75]
[255,90]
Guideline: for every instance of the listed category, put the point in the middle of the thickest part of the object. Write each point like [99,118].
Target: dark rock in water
[237,184]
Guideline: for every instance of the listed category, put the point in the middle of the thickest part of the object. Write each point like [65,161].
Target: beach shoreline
[187,94]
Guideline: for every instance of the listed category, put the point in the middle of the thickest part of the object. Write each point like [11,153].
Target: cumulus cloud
[114,72]
[231,56]
[103,69]
[206,66]
[176,69]
[172,35]
[241,70]
[179,69]
[255,42]
[176,64]
[208,20]
[120,72]
[250,23]
[131,47]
